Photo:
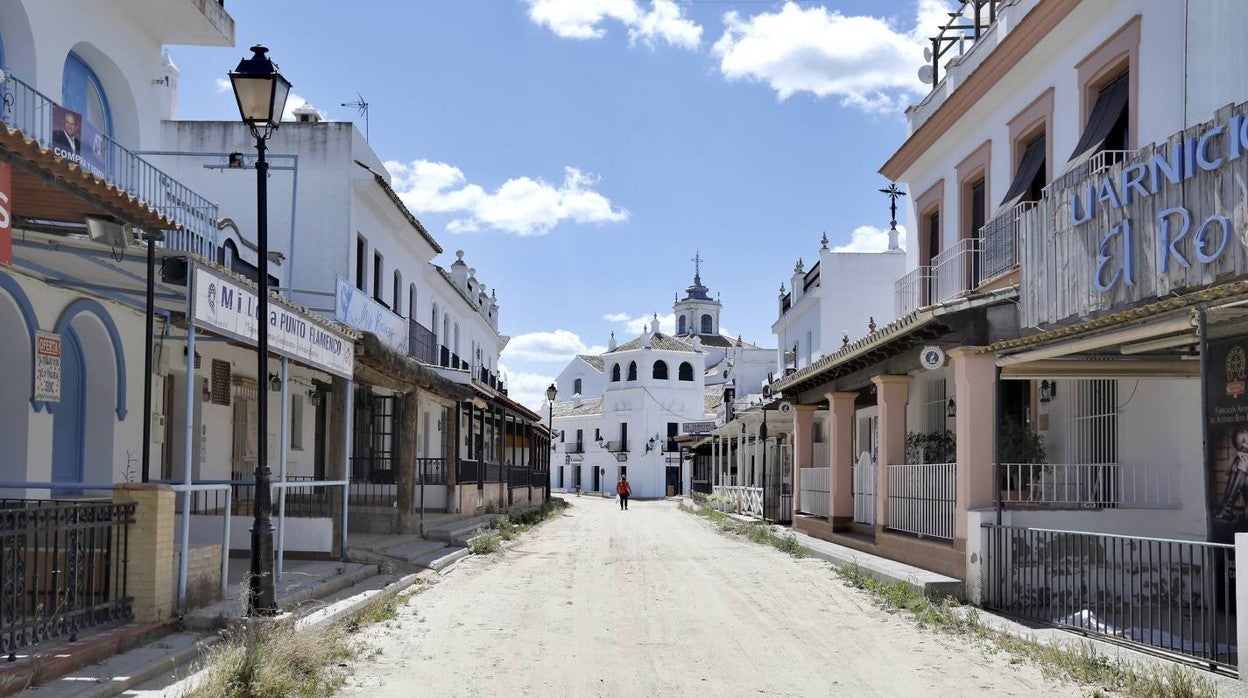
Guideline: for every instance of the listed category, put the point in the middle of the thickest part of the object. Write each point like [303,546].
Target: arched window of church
[685,372]
[576,386]
[706,324]
[615,373]
[660,370]
[632,370]
[680,325]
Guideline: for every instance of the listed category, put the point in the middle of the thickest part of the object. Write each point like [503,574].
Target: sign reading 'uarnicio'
[1181,238]
[227,307]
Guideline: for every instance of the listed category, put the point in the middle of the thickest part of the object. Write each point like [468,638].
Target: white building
[816,319]
[620,412]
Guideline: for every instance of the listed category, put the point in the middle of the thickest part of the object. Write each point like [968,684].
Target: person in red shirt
[623,489]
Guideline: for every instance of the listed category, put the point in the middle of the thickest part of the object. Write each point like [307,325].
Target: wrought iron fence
[466,471]
[922,499]
[431,471]
[539,478]
[34,114]
[372,494]
[815,492]
[63,568]
[1167,595]
[375,469]
[953,270]
[303,501]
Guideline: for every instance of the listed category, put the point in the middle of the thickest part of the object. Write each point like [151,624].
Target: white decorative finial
[799,266]
[824,241]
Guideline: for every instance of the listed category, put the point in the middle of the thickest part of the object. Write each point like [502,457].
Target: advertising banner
[1226,434]
[227,307]
[77,140]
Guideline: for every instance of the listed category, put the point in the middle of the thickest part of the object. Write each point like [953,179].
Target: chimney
[799,277]
[307,114]
[168,82]
[459,270]
[611,343]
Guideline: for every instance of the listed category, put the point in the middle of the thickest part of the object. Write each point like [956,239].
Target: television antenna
[361,107]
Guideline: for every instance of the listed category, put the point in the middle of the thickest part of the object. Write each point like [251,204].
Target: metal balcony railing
[616,446]
[911,291]
[422,344]
[33,113]
[998,246]
[954,270]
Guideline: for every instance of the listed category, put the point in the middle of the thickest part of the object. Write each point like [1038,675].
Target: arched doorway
[17,317]
[68,423]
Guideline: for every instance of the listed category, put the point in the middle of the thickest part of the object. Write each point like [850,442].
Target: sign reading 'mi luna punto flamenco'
[1168,218]
[225,306]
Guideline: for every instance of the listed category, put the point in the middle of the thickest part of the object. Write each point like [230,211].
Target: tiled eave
[48,187]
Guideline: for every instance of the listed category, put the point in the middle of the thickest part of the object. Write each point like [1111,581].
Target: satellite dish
[926,74]
[927,53]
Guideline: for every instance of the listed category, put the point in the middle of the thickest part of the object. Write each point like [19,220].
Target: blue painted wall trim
[87,305]
[10,286]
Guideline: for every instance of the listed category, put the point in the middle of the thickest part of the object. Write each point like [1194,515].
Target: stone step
[414,549]
[439,560]
[458,530]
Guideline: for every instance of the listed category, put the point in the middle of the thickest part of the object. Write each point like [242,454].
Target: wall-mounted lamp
[236,161]
[197,357]
[951,408]
[275,383]
[314,397]
[650,445]
[1048,390]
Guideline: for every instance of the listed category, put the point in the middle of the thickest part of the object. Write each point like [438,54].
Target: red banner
[6,214]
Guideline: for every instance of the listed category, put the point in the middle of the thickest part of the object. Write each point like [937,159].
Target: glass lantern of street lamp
[260,90]
[551,392]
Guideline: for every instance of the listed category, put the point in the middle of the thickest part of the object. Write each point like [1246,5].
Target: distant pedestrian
[623,489]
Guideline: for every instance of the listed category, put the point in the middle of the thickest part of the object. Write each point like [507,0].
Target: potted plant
[1018,445]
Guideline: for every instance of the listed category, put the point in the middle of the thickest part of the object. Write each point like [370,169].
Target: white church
[620,412]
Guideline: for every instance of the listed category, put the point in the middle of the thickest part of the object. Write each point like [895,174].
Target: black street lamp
[261,93]
[762,436]
[551,393]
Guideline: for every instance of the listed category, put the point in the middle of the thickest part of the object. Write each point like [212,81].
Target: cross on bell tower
[697,312]
[697,267]
[893,193]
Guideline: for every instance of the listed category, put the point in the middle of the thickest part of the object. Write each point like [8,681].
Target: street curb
[168,662]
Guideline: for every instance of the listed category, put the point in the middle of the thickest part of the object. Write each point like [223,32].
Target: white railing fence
[909,290]
[741,500]
[922,499]
[815,491]
[1089,485]
[953,270]
[998,246]
[864,490]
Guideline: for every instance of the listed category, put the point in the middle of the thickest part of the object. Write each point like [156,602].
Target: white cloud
[865,61]
[521,206]
[527,388]
[868,238]
[557,346]
[585,19]
[616,317]
[636,324]
[293,100]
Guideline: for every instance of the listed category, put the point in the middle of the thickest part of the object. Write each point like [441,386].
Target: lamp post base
[262,599]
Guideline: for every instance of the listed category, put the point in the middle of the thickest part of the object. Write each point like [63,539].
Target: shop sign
[697,427]
[47,367]
[357,309]
[6,213]
[228,307]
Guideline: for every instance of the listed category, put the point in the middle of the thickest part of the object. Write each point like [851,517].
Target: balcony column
[894,395]
[405,472]
[975,393]
[803,427]
[841,458]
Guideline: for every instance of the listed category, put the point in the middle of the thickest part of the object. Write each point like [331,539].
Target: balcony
[911,291]
[187,22]
[616,446]
[422,344]
[188,218]
[578,447]
[998,246]
[955,270]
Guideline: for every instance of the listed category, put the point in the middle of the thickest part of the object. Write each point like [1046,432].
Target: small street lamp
[551,394]
[261,92]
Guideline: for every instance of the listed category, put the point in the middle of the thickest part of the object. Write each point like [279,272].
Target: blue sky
[581,151]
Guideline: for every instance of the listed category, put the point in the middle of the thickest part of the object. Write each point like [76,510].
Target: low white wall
[302,535]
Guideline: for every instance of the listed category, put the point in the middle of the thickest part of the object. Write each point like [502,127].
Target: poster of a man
[76,139]
[67,136]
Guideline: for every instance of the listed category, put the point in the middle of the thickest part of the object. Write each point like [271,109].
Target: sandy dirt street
[655,602]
